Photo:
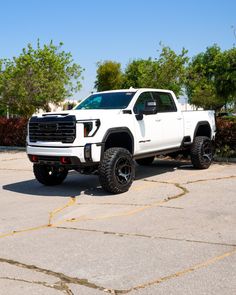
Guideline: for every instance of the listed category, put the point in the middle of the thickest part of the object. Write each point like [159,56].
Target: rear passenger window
[165,102]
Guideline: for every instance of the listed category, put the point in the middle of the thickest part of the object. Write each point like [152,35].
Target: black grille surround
[52,129]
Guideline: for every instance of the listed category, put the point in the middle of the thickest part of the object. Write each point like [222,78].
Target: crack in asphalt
[57,286]
[141,208]
[14,232]
[211,179]
[184,271]
[52,214]
[64,279]
[127,204]
[72,201]
[122,234]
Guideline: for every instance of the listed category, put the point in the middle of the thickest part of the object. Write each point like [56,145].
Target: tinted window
[165,102]
[140,103]
[114,100]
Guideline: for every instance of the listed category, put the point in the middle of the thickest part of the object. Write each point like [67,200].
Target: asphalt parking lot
[174,232]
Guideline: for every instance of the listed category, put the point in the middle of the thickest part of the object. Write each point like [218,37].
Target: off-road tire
[116,170]
[145,161]
[50,175]
[201,152]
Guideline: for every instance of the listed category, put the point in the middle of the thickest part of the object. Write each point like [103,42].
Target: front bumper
[88,153]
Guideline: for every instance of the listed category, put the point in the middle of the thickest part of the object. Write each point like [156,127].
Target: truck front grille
[52,129]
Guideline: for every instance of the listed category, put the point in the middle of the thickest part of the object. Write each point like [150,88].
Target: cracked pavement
[172,233]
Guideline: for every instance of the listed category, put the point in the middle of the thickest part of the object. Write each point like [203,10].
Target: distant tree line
[208,79]
[47,74]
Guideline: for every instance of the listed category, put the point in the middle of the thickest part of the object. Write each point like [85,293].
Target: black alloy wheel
[201,152]
[116,170]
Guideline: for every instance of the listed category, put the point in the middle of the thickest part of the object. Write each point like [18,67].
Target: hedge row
[226,132]
[226,137]
[13,133]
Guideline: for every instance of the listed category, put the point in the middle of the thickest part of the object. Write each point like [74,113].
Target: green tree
[226,76]
[167,72]
[211,78]
[171,70]
[109,76]
[138,72]
[36,78]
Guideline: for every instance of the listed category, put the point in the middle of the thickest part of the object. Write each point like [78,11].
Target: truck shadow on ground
[77,184]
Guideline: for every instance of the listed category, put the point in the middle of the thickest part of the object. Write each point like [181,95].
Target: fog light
[33,158]
[65,160]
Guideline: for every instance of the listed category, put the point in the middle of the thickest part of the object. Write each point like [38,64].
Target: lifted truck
[108,131]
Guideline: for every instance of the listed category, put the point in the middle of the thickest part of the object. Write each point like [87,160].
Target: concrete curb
[12,148]
[221,159]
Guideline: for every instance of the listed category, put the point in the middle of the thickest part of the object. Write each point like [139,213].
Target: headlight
[91,127]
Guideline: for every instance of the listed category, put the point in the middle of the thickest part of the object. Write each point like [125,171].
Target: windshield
[112,100]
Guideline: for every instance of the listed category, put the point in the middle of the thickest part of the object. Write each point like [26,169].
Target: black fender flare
[119,130]
[202,123]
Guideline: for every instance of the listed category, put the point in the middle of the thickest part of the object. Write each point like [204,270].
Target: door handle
[179,118]
[158,120]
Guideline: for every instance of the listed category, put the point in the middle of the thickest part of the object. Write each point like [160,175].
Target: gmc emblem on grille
[48,127]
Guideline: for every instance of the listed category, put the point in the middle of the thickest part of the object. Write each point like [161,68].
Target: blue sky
[98,30]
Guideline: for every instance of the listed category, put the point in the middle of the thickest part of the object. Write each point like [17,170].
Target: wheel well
[203,129]
[119,139]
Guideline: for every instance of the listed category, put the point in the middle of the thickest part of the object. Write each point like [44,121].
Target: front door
[148,130]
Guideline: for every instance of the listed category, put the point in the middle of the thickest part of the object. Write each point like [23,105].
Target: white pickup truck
[108,131]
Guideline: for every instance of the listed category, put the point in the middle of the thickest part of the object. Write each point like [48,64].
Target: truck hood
[84,114]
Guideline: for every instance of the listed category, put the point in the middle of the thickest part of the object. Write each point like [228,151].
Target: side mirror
[150,108]
[139,117]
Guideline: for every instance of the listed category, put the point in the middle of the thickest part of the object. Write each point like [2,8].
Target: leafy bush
[13,131]
[226,137]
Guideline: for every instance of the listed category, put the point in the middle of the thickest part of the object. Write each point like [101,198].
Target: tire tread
[106,178]
[195,153]
[49,180]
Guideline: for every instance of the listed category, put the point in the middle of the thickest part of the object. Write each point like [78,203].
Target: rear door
[168,119]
